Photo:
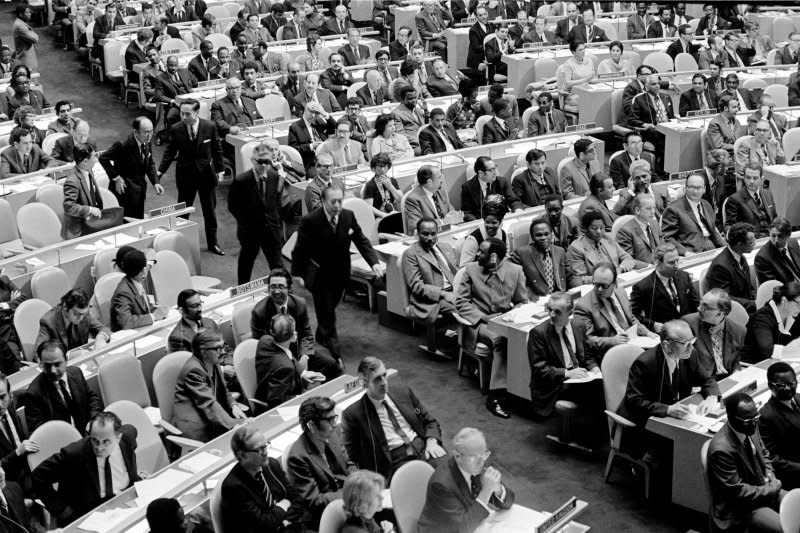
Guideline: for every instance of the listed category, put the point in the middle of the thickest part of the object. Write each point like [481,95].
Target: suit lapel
[90,461]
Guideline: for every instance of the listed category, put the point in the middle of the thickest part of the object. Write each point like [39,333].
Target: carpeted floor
[542,476]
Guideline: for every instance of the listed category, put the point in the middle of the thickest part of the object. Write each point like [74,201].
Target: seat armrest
[621,420]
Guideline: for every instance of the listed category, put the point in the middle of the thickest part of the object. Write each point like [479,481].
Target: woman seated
[131,306]
[363,497]
[494,210]
[575,71]
[317,58]
[761,44]
[388,141]
[773,324]
[382,189]
[615,64]
[206,28]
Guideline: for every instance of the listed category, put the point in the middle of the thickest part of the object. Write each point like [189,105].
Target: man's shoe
[216,250]
[496,409]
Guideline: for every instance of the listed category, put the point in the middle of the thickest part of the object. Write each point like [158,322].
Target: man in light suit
[742,95]
[666,294]
[82,198]
[752,203]
[426,200]
[696,98]
[724,129]
[712,320]
[604,314]
[575,174]
[777,121]
[638,23]
[411,113]
[587,32]
[619,166]
[451,504]
[543,263]
[545,120]
[354,53]
[601,189]
[431,22]
[779,258]
[204,66]
[688,222]
[312,198]
[344,151]
[23,156]
[440,136]
[314,93]
[537,182]
[641,236]
[761,150]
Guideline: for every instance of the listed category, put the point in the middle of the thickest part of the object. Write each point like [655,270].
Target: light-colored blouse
[572,70]
[396,146]
[607,66]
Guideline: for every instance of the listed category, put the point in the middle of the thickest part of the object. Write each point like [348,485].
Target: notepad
[289,413]
[147,341]
[102,521]
[199,462]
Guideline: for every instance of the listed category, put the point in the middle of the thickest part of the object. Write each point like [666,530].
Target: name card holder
[685,174]
[581,127]
[250,286]
[555,520]
[611,75]
[167,209]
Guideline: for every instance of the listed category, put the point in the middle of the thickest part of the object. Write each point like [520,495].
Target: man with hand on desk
[666,294]
[108,454]
[486,182]
[729,269]
[641,236]
[697,98]
[779,258]
[131,306]
[780,424]
[60,392]
[491,286]
[255,494]
[744,491]
[464,490]
[23,156]
[688,222]
[72,323]
[543,262]
[719,338]
[384,430]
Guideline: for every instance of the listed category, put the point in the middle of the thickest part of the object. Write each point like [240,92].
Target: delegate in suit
[131,306]
[712,322]
[82,199]
[780,424]
[779,257]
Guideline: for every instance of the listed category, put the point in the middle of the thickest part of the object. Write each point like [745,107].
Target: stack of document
[154,487]
[102,521]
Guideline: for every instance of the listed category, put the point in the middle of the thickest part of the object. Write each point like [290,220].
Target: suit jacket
[129,309]
[450,506]
[183,16]
[690,101]
[594,323]
[197,67]
[442,86]
[301,138]
[78,199]
[477,34]
[296,307]
[719,133]
[650,388]
[726,274]
[777,122]
[784,56]
[562,29]
[677,48]
[349,57]
[633,240]
[63,149]
[398,52]
[732,340]
[197,161]
[575,179]
[706,25]
[656,31]
[133,56]
[763,333]
[593,203]
[326,99]
[364,438]
[780,431]
[331,27]
[428,24]
[717,191]
[102,27]
[533,37]
[316,476]
[772,263]
[680,227]
[43,401]
[566,231]
[530,259]
[546,359]
[734,481]
[11,164]
[124,159]
[52,326]
[15,498]
[322,255]
[749,151]
[202,406]
[583,257]
[637,26]
[277,376]
[425,279]
[494,133]
[741,207]
[418,206]
[15,466]
[624,205]
[225,114]
[643,111]
[180,338]
[580,34]
[651,302]
[431,143]
[794,89]
[256,213]
[166,89]
[244,507]
[74,468]
[537,123]
[529,192]
[472,200]
[367,99]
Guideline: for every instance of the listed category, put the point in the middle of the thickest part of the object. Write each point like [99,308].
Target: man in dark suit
[131,306]
[14,442]
[718,181]
[638,23]
[723,130]
[135,52]
[190,306]
[321,257]
[163,31]
[729,270]
[255,495]
[129,165]
[412,433]
[684,44]
[168,85]
[338,24]
[718,337]
[15,513]
[543,262]
[545,120]
[666,294]
[745,494]
[204,66]
[495,48]
[197,150]
[537,182]
[452,504]
[431,22]
[738,55]
[555,354]
[372,94]
[779,258]
[274,20]
[688,222]
[663,27]
[439,136]
[354,53]
[82,200]
[696,98]
[443,82]
[601,189]
[317,463]
[742,95]
[711,22]
[23,156]
[498,128]
[477,33]
[103,25]
[485,183]
[752,203]
[565,228]
[309,132]
[647,111]
[234,111]
[565,26]
[178,13]
[60,392]
[538,34]
[399,48]
[787,54]
[72,324]
[65,146]
[780,424]
[587,32]
[641,236]
[107,454]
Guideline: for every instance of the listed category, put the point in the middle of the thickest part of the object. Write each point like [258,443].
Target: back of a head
[165,515]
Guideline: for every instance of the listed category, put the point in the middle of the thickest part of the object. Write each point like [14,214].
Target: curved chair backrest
[89,34]
[273,107]
[246,152]
[108,198]
[771,56]
[26,322]
[8,223]
[685,63]
[621,221]
[704,466]
[170,276]
[782,26]
[215,508]
[609,28]
[52,195]
[756,83]
[51,437]
[120,377]
[616,105]
[178,243]
[545,68]
[479,124]
[701,281]
[151,456]
[517,171]
[244,363]
[104,290]
[633,57]
[526,116]
[790,511]
[49,142]
[615,367]
[353,89]
[661,61]
[779,94]
[520,233]
[219,40]
[406,229]
[764,292]
[38,225]
[402,285]
[103,262]
[364,216]
[408,487]
[791,142]
[240,321]
[174,46]
[739,314]
[165,376]
[333,517]
[50,284]
[292,154]
[614,156]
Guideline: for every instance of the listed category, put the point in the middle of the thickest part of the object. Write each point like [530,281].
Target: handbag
[110,218]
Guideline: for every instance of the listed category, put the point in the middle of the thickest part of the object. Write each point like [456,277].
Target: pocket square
[207,141]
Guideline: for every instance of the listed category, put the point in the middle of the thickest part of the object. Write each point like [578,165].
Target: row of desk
[41,122]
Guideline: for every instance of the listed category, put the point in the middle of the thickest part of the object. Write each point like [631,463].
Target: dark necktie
[8,431]
[792,265]
[333,222]
[191,134]
[676,390]
[673,294]
[754,460]
[396,425]
[746,274]
[109,483]
[651,237]
[759,203]
[475,486]
[437,204]
[262,485]
[262,187]
[26,163]
[4,507]
[570,350]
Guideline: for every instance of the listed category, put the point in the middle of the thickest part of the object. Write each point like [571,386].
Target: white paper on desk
[102,521]
[154,414]
[100,244]
[289,413]
[524,313]
[154,487]
[395,248]
[155,231]
[283,441]
[518,519]
[387,498]
[591,377]
[122,334]
[199,462]
[120,239]
[85,247]
[147,341]
[139,527]
[35,262]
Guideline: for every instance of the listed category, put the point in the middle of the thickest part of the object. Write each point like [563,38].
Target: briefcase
[110,218]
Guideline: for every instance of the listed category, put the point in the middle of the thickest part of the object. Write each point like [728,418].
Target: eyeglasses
[782,385]
[749,421]
[330,419]
[260,449]
[683,344]
[604,285]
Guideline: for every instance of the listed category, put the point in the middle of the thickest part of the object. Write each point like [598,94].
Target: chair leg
[646,483]
[460,361]
[609,464]
[482,375]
